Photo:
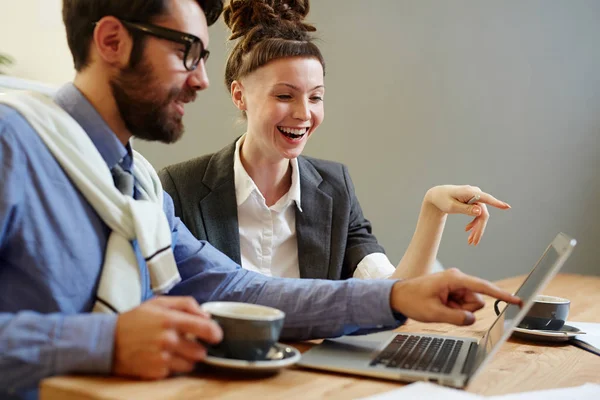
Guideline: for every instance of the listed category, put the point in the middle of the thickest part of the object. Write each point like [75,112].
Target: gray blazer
[333,235]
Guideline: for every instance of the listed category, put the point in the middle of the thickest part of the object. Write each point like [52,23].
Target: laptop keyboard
[420,353]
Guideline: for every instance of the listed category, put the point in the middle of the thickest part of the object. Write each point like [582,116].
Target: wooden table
[518,366]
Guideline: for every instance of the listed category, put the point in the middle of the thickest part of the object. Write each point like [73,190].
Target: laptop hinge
[471,355]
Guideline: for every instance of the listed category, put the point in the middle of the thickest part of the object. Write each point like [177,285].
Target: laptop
[447,360]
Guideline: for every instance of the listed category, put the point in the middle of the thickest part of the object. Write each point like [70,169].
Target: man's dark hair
[79,17]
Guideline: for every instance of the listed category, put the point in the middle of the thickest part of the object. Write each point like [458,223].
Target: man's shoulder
[14,128]
[9,116]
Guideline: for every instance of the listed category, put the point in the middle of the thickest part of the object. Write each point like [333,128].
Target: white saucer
[282,356]
[568,332]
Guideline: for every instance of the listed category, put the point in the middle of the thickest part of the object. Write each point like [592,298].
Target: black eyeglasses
[194,48]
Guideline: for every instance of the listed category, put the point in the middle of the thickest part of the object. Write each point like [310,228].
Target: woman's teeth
[293,133]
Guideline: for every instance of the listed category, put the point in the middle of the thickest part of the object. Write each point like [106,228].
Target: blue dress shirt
[52,245]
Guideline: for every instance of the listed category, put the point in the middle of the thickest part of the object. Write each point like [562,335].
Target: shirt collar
[294,193]
[81,110]
[244,185]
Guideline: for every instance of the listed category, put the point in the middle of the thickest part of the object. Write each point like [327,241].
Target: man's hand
[156,339]
[448,296]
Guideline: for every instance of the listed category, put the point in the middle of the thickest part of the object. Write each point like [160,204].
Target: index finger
[482,286]
[198,327]
[492,201]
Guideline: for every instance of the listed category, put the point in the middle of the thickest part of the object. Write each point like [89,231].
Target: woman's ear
[237,95]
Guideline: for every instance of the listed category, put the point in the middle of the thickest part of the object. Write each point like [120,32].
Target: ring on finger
[474,199]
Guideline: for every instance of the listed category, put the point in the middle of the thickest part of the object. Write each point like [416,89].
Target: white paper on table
[592,330]
[588,391]
[425,390]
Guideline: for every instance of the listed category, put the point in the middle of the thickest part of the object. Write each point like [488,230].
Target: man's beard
[148,114]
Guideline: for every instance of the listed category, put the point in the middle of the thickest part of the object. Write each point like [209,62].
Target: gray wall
[500,94]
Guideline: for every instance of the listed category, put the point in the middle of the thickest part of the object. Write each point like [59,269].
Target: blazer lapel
[313,224]
[219,207]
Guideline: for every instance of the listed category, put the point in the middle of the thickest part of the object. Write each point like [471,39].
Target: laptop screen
[544,270]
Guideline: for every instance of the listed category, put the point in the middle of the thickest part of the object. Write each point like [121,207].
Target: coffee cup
[546,313]
[249,330]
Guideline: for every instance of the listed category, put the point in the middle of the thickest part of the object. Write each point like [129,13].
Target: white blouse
[268,241]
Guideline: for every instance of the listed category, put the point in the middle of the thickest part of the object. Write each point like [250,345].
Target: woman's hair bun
[269,16]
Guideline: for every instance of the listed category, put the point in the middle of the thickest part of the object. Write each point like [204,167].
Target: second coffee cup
[546,313]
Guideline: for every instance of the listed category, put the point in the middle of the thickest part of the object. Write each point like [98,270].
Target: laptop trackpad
[347,348]
[373,341]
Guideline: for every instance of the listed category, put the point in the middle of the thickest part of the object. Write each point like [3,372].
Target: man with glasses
[88,240]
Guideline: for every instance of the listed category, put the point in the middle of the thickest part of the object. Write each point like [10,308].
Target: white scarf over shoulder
[120,287]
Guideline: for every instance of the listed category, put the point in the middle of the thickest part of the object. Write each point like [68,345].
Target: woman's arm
[419,257]
[440,201]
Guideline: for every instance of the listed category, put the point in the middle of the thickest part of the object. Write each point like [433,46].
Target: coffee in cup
[546,313]
[249,330]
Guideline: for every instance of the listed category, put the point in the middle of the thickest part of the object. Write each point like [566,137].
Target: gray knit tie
[123,180]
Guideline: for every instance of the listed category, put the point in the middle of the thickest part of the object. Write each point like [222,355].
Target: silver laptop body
[448,360]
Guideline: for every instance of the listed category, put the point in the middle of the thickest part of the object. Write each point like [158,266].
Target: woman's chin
[291,153]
